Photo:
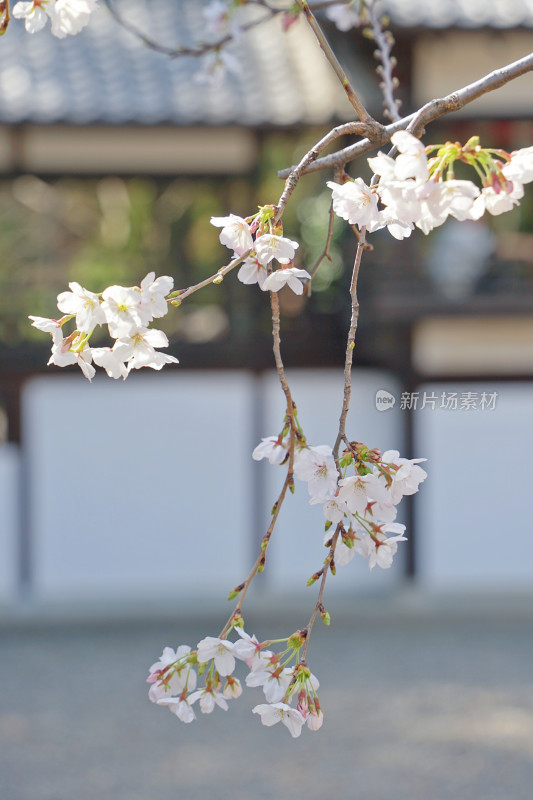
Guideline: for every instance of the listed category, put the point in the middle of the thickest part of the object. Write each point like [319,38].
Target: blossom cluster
[67,17]
[362,505]
[238,234]
[127,311]
[415,190]
[174,680]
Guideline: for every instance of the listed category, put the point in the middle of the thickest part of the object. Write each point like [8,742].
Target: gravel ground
[419,706]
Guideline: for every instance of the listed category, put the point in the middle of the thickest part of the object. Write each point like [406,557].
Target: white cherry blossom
[179,706]
[71,16]
[269,246]
[408,477]
[344,15]
[111,361]
[252,271]
[153,294]
[82,304]
[281,712]
[334,508]
[220,650]
[35,14]
[232,688]
[271,448]
[412,161]
[139,350]
[385,548]
[66,352]
[314,720]
[45,324]
[123,311]
[520,167]
[208,698]
[497,203]
[355,202]
[274,681]
[235,234]
[287,276]
[316,465]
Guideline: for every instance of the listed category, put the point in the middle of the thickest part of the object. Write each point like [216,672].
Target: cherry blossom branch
[351,94]
[179,295]
[350,345]
[325,253]
[242,588]
[428,113]
[357,128]
[319,606]
[181,50]
[384,41]
[289,478]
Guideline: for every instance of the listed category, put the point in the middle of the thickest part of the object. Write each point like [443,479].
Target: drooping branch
[350,343]
[351,94]
[428,113]
[183,50]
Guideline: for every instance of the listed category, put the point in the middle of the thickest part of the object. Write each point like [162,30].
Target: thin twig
[289,479]
[260,560]
[359,128]
[350,344]
[181,50]
[319,602]
[351,94]
[177,296]
[325,252]
[428,113]
[384,41]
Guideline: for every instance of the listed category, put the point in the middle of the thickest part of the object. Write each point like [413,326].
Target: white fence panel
[9,520]
[473,514]
[138,488]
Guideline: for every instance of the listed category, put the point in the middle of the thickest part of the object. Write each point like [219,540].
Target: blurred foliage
[115,230]
[99,232]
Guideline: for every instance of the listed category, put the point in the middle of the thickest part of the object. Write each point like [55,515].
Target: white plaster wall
[9,520]
[474,510]
[138,488]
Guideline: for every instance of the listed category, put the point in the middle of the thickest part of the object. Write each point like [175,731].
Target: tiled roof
[460,13]
[106,75]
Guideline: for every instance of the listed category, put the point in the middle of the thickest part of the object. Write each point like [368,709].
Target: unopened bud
[297,639]
[218,279]
[236,592]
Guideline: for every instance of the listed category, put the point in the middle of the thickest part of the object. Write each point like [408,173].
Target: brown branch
[181,50]
[350,345]
[325,253]
[4,16]
[179,295]
[318,605]
[289,479]
[428,113]
[260,560]
[359,128]
[351,94]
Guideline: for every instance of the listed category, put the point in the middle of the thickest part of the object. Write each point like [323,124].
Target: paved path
[418,707]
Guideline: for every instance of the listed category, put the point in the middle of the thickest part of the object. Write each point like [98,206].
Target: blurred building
[112,158]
